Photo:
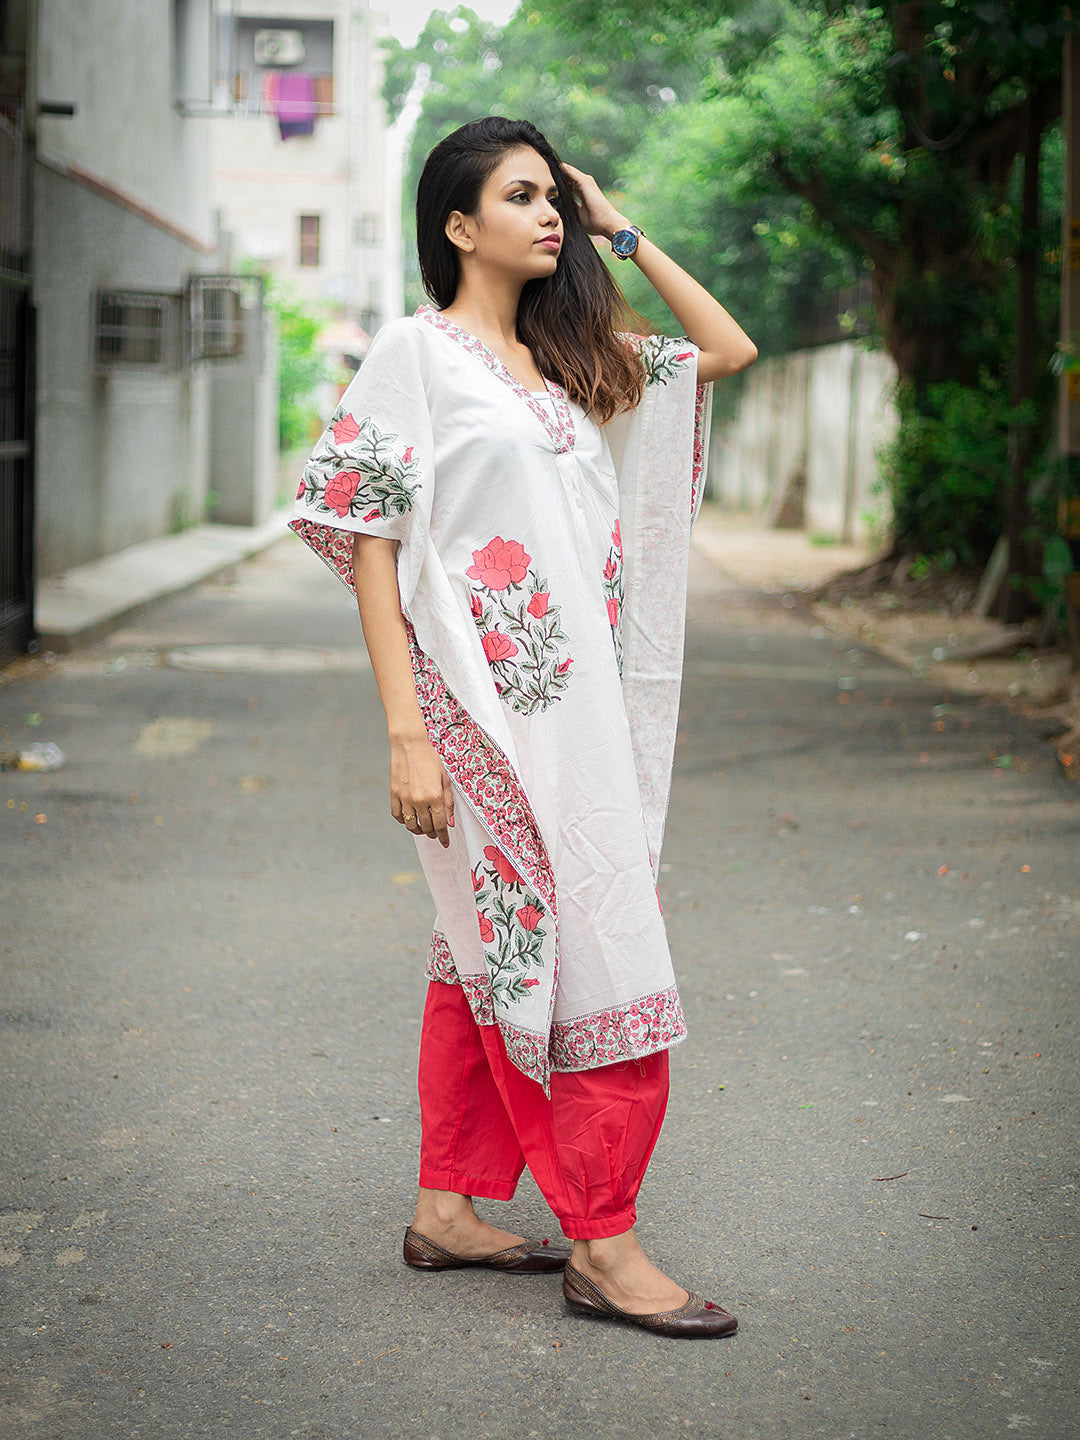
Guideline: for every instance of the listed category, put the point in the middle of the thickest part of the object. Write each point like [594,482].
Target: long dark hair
[568,320]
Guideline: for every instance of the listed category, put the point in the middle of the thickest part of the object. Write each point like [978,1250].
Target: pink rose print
[407,456]
[300,492]
[382,485]
[487,930]
[505,870]
[346,429]
[613,591]
[498,646]
[340,489]
[530,916]
[564,668]
[500,564]
[478,882]
[530,982]
[686,355]
[522,634]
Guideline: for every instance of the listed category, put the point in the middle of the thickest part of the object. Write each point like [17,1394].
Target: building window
[367,229]
[134,330]
[224,318]
[309,239]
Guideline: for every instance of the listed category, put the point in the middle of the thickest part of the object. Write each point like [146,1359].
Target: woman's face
[517,228]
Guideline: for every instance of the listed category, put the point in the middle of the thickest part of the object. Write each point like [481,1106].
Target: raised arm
[724,346]
[419,784]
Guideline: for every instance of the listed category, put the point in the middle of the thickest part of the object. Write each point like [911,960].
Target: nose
[552,217]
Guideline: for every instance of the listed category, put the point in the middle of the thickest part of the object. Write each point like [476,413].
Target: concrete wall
[821,415]
[121,457]
[115,60]
[121,200]
[243,437]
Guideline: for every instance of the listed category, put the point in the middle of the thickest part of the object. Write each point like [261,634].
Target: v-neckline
[556,418]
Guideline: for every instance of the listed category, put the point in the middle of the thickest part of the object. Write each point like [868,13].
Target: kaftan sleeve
[372,471]
[659,452]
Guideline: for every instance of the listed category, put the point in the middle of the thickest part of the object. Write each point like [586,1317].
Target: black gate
[16,394]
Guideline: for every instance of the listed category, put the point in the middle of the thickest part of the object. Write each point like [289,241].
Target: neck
[486,306]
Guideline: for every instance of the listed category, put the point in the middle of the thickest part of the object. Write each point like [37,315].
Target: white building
[299,162]
[154,386]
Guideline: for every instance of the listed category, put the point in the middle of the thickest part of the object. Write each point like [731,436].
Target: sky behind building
[407,17]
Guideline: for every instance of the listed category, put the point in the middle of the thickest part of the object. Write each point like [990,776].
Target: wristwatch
[624,242]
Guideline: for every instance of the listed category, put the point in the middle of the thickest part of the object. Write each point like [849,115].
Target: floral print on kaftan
[542,574]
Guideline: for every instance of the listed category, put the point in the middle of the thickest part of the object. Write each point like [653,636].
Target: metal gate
[16,394]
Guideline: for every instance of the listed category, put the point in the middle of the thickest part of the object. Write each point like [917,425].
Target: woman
[509,485]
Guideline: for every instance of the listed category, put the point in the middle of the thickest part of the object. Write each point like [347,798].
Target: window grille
[367,230]
[224,318]
[309,239]
[135,330]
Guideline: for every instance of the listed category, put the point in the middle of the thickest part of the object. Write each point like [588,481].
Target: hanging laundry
[294,104]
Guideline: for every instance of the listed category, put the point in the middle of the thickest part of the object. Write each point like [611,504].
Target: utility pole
[1069,398]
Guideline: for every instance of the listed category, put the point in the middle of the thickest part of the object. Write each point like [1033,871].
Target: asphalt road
[212,946]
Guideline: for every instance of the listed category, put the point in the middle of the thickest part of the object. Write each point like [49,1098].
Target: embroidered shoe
[697,1319]
[531,1257]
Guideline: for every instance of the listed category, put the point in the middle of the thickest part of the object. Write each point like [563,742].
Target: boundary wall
[801,449]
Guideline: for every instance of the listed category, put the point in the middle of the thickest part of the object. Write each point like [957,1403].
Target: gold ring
[408,819]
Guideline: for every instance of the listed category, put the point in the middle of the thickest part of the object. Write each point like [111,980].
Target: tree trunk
[1015,602]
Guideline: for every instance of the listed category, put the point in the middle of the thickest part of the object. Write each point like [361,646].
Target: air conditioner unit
[279,47]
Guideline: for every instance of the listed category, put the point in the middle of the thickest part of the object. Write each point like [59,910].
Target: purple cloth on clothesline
[294,104]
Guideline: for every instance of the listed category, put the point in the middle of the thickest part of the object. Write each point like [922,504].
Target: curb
[84,604]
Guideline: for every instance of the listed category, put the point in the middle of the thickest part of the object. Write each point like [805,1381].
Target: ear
[459,231]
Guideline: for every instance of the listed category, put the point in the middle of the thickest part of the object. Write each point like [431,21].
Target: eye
[521,195]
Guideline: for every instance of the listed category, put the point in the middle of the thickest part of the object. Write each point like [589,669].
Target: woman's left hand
[598,215]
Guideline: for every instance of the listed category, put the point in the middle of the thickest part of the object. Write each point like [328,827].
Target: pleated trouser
[587,1145]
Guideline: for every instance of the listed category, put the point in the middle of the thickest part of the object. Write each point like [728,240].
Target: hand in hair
[724,347]
[598,215]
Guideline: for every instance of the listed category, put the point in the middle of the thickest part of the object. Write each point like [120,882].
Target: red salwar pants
[482,1121]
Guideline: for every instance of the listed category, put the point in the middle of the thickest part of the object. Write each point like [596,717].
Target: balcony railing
[255,93]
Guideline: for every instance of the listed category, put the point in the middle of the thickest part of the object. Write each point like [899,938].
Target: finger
[448,800]
[438,822]
[424,824]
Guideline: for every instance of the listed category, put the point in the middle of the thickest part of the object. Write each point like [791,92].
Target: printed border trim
[559,426]
[629,1031]
[493,790]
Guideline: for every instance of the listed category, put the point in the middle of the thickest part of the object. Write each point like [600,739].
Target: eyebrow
[531,185]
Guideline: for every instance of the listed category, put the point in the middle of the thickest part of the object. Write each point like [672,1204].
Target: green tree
[913,131]
[301,364]
[592,103]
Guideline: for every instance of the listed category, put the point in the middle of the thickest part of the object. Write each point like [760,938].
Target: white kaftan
[542,573]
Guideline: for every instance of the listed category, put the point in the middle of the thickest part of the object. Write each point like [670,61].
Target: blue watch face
[624,243]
